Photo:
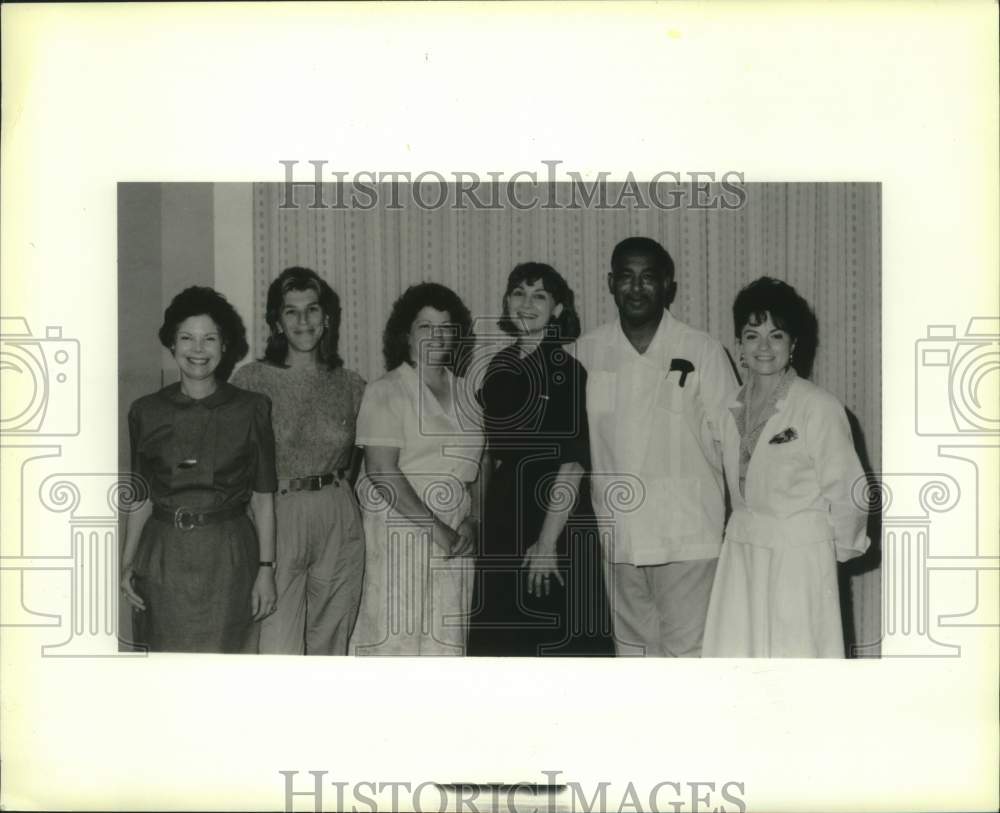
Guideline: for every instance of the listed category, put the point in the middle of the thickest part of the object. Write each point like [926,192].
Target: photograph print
[485,417]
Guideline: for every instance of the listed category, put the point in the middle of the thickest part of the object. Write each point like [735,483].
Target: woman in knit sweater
[315,401]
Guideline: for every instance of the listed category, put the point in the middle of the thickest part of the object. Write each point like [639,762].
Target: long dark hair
[297,278]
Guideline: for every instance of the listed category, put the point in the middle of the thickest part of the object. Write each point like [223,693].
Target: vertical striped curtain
[821,238]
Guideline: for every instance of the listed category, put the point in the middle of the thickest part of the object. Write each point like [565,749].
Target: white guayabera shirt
[655,441]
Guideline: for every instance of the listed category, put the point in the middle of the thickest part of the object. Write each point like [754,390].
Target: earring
[743,361]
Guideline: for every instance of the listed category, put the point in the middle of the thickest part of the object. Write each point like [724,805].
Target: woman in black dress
[539,589]
[196,568]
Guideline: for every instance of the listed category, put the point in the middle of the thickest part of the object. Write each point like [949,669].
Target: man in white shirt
[655,389]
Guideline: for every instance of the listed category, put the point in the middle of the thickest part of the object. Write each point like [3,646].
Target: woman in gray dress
[197,568]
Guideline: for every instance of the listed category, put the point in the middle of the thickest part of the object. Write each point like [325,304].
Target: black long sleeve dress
[535,418]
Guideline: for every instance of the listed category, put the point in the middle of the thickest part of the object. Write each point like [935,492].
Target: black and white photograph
[500,407]
[542,462]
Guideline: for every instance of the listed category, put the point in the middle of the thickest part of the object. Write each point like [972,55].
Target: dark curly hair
[297,278]
[644,247]
[788,311]
[562,328]
[396,338]
[201,301]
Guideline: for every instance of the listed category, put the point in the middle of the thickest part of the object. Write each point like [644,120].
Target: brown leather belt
[313,483]
[187,519]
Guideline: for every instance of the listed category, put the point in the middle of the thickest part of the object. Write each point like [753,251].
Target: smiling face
[531,307]
[767,349]
[430,337]
[302,320]
[641,289]
[197,347]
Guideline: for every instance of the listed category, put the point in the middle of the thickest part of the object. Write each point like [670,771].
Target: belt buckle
[184,519]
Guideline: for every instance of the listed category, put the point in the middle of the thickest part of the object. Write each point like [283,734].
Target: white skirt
[777,599]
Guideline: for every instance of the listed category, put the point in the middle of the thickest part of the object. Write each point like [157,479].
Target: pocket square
[785,436]
[683,366]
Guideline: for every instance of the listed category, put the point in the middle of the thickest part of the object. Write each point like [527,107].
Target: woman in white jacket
[791,469]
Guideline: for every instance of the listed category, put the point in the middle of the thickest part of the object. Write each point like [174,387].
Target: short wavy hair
[201,301]
[788,311]
[396,337]
[298,278]
[644,247]
[563,328]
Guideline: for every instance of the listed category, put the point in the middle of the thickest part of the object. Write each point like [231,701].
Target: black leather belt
[187,519]
[313,483]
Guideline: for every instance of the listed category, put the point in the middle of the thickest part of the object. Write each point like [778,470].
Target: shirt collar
[223,393]
[422,393]
[657,347]
[774,403]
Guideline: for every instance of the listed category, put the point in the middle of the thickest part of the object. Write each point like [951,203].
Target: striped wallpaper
[823,238]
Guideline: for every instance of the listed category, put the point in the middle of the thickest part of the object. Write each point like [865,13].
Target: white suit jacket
[804,481]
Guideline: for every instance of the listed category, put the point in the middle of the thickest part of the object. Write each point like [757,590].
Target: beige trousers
[320,560]
[659,610]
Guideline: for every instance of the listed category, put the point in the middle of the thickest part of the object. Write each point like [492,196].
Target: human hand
[444,537]
[264,596]
[467,537]
[542,564]
[133,597]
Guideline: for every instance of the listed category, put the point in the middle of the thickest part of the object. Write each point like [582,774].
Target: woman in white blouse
[420,428]
[792,472]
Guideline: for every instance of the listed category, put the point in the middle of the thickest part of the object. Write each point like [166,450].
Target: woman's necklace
[189,457]
[757,401]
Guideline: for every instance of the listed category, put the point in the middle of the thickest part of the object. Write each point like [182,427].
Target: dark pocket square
[683,366]
[785,436]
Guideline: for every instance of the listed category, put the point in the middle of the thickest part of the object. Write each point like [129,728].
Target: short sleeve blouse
[435,446]
[211,452]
